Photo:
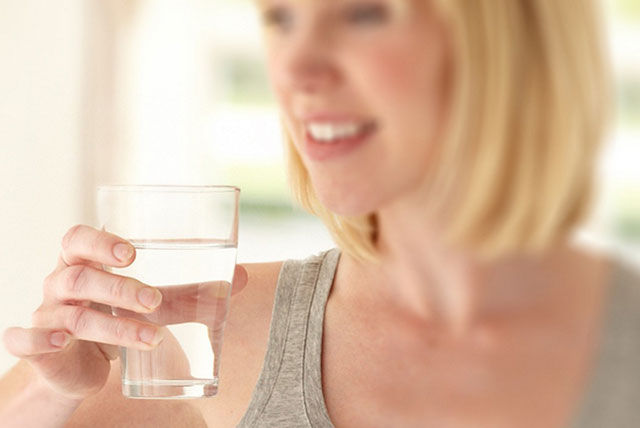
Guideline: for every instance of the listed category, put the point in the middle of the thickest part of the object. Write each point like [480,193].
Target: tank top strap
[613,392]
[289,389]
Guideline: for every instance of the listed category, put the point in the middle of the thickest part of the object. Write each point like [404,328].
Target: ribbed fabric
[613,395]
[289,390]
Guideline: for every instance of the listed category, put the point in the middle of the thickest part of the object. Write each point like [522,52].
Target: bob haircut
[529,105]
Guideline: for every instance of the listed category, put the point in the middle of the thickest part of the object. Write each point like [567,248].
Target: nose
[308,64]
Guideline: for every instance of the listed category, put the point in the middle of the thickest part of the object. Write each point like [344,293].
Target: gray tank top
[289,389]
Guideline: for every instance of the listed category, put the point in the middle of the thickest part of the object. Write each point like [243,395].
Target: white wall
[91,92]
[40,84]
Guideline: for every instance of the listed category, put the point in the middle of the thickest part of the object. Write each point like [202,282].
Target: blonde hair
[528,109]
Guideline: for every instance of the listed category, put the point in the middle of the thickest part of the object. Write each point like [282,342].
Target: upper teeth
[331,131]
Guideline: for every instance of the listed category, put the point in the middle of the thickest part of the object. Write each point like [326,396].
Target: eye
[367,13]
[279,17]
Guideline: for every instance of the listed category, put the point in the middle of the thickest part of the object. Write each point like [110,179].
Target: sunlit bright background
[175,92]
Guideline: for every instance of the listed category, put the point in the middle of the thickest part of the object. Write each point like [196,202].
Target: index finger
[204,302]
[83,244]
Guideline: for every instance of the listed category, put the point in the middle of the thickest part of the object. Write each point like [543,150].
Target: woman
[449,146]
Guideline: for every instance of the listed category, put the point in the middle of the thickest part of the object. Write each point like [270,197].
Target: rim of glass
[167,188]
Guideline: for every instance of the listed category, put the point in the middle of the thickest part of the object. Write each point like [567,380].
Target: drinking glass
[186,239]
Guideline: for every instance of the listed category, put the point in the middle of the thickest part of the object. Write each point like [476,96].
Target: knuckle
[75,280]
[117,288]
[68,237]
[78,319]
[103,236]
[99,239]
[120,328]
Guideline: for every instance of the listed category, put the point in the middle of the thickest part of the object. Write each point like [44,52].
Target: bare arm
[27,402]
[245,342]
[67,353]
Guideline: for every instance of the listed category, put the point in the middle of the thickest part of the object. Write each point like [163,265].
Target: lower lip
[325,151]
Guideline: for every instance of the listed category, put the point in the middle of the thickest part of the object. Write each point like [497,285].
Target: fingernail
[150,335]
[123,252]
[149,297]
[59,339]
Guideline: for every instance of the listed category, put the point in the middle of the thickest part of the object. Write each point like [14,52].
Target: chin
[349,204]
[350,190]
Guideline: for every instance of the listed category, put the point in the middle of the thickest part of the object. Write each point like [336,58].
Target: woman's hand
[74,336]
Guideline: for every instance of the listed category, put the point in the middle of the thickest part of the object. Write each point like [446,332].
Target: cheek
[405,85]
[279,76]
[405,93]
[400,70]
[391,75]
[281,94]
[275,75]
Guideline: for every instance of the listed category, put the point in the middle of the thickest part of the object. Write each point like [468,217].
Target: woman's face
[362,88]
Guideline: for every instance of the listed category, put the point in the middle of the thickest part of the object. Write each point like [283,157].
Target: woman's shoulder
[250,310]
[245,341]
[616,268]
[246,337]
[627,266]
[625,274]
[625,286]
[254,302]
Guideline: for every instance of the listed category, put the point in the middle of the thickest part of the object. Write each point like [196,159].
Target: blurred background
[175,92]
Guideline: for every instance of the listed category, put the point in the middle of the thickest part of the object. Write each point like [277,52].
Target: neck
[425,278]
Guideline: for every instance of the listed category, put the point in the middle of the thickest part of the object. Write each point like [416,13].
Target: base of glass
[170,389]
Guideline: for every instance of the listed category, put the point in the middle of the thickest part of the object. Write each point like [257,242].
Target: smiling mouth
[332,139]
[334,133]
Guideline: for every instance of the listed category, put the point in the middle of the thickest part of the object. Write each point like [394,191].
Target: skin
[368,67]
[74,336]
[473,344]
